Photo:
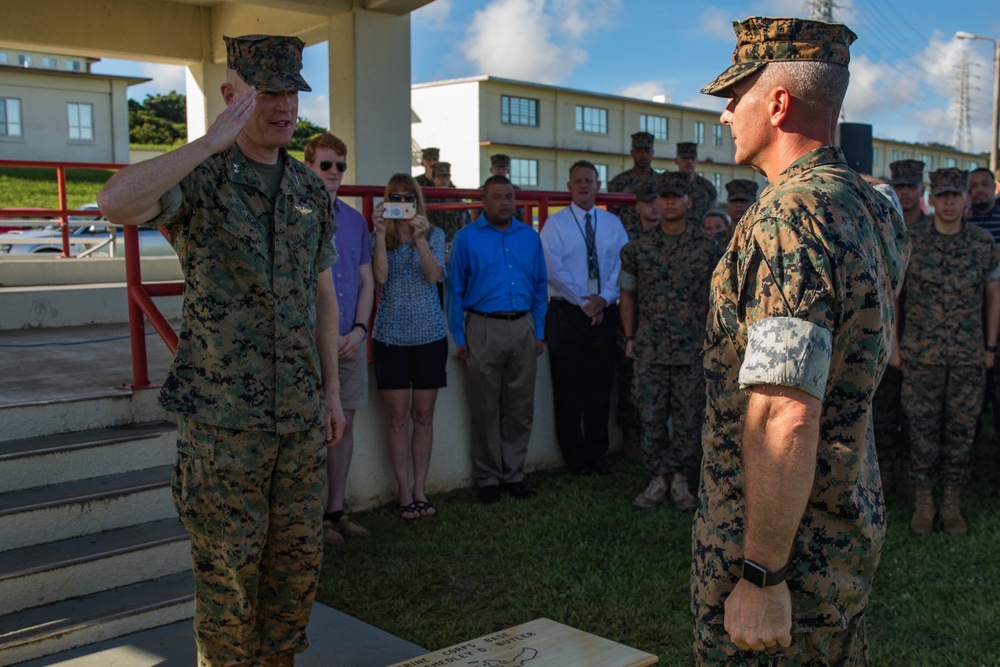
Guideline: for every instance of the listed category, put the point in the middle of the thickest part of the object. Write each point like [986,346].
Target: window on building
[699,132]
[81,121]
[658,126]
[973,165]
[592,119]
[906,155]
[717,181]
[950,162]
[716,135]
[518,110]
[3,57]
[49,63]
[524,172]
[602,175]
[895,156]
[24,61]
[874,155]
[10,117]
[74,66]
[928,160]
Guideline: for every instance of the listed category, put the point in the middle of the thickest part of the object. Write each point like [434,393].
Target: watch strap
[760,576]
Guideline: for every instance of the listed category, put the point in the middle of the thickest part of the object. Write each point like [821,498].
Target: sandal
[413,509]
[425,508]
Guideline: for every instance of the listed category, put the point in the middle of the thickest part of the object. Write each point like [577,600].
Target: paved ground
[46,364]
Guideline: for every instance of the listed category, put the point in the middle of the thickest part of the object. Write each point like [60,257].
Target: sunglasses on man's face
[326,164]
[408,197]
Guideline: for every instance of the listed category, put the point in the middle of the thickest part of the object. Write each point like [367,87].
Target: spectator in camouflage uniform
[428,158]
[626,413]
[791,517]
[954,266]
[703,194]
[892,438]
[630,179]
[254,380]
[449,221]
[740,193]
[716,224]
[664,301]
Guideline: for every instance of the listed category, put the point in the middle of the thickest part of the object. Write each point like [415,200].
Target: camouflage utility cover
[761,40]
[949,179]
[687,149]
[804,292]
[643,140]
[670,277]
[908,172]
[741,189]
[944,295]
[269,63]
[703,195]
[247,358]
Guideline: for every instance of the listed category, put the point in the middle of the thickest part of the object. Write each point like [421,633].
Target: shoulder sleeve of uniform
[789,352]
[171,204]
[994,273]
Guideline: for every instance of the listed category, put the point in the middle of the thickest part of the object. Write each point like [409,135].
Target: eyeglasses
[408,197]
[326,164]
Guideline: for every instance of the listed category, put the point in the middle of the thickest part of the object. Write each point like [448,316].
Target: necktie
[593,270]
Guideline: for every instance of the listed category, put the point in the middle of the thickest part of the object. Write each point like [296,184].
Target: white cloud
[315,108]
[717,23]
[645,90]
[877,88]
[534,40]
[435,14]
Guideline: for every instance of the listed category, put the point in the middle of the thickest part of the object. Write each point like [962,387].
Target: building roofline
[130,80]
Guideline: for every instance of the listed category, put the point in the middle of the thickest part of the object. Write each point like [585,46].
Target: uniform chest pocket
[243,228]
[302,234]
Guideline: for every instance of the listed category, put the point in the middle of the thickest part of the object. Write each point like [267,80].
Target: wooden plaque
[539,643]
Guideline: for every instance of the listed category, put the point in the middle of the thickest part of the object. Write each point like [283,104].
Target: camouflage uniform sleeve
[994,273]
[628,275]
[788,300]
[171,205]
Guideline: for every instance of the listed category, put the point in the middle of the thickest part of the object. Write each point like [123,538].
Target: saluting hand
[228,124]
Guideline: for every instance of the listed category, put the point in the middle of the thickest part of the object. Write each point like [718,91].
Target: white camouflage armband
[789,352]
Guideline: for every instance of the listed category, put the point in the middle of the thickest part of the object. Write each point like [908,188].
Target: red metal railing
[141,306]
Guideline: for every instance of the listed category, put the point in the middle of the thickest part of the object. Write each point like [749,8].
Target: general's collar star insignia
[303,210]
[236,168]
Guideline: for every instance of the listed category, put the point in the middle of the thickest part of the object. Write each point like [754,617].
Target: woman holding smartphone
[409,339]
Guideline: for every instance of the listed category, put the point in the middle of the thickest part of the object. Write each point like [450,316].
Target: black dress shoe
[519,490]
[489,494]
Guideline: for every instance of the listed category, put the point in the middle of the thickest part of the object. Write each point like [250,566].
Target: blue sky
[905,68]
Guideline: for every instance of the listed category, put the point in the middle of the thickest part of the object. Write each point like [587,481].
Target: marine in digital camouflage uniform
[664,301]
[631,179]
[449,221]
[954,267]
[892,438]
[740,193]
[703,193]
[428,158]
[799,330]
[253,230]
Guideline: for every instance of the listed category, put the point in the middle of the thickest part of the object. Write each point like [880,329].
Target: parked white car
[84,234]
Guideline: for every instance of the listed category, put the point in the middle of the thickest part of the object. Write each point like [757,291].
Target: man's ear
[228,93]
[779,103]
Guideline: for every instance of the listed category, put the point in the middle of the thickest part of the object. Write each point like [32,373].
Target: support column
[369,56]
[204,98]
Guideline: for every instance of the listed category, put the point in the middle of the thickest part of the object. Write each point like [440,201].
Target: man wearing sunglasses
[354,281]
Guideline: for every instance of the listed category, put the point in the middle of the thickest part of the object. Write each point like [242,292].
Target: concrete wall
[453,115]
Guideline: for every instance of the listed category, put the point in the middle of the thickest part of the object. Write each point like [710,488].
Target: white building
[53,108]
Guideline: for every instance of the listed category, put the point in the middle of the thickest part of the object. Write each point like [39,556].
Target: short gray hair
[820,85]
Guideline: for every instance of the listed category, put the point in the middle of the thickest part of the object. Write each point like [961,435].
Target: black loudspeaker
[856,142]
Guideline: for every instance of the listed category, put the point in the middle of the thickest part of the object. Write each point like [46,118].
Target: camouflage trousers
[676,393]
[819,648]
[892,437]
[253,504]
[942,406]
[626,412]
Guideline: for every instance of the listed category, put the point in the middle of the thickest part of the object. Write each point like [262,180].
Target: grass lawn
[26,187]
[580,554]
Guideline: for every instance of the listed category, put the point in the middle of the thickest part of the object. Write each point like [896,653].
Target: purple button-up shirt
[354,251]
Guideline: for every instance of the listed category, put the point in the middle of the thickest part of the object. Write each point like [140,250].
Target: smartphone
[399,210]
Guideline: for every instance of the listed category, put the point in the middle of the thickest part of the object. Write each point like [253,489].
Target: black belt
[500,315]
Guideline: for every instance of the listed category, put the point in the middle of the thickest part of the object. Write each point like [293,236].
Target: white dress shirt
[565,245]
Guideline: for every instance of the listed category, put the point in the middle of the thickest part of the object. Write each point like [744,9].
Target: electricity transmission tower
[819,10]
[962,139]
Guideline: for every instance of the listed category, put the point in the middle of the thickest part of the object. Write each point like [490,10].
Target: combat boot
[680,494]
[922,522]
[950,513]
[654,494]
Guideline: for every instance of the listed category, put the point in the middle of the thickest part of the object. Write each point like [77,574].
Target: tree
[304,131]
[160,119]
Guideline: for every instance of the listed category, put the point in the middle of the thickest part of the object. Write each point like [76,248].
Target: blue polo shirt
[496,271]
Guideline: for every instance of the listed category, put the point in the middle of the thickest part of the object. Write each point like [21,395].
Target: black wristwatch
[760,576]
[629,339]
[359,325]
[991,348]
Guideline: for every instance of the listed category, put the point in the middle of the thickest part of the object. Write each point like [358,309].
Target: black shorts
[405,366]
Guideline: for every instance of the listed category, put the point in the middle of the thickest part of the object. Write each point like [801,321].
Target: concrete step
[51,459]
[32,306]
[70,509]
[99,407]
[48,629]
[46,573]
